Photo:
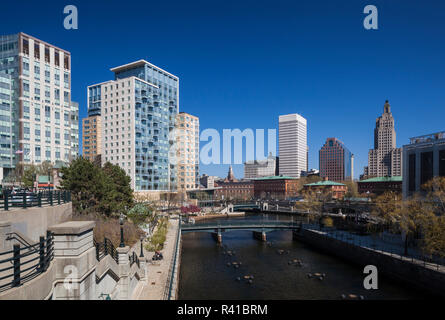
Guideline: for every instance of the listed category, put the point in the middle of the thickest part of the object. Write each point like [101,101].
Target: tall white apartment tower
[292,144]
[41,109]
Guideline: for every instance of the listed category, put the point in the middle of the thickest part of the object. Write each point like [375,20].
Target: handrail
[169,284]
[19,238]
[26,269]
[28,199]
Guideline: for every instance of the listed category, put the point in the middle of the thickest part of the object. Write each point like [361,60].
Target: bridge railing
[240,224]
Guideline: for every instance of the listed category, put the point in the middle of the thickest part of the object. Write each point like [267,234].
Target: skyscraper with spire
[385,160]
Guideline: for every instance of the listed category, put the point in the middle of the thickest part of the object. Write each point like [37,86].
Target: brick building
[275,187]
[337,190]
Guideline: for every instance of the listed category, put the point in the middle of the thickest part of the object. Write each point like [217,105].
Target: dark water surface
[205,275]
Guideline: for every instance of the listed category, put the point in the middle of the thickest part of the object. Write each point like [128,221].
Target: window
[426,167]
[442,163]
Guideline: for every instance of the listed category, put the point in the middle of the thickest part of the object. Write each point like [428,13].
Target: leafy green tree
[118,194]
[86,183]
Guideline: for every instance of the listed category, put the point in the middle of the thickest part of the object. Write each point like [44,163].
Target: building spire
[387,107]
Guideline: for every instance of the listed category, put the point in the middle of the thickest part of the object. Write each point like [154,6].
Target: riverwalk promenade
[158,271]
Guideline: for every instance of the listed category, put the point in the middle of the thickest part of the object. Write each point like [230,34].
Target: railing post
[50,197]
[24,200]
[39,199]
[49,246]
[41,253]
[6,204]
[58,197]
[105,246]
[16,280]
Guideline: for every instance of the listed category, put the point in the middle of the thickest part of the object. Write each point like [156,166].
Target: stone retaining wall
[402,270]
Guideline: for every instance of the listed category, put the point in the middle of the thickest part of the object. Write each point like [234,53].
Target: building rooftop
[140,63]
[276,178]
[324,183]
[428,138]
[383,179]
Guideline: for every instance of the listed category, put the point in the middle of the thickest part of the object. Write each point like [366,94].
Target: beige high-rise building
[187,151]
[92,137]
[385,159]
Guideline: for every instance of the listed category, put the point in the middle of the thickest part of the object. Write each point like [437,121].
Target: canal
[205,273]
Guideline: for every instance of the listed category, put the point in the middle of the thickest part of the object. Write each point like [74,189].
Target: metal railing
[377,244]
[28,199]
[22,264]
[240,225]
[105,248]
[169,284]
[133,257]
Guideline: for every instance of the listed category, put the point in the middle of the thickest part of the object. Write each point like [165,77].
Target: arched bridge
[259,228]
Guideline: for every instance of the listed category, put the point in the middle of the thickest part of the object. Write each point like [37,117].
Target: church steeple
[230,175]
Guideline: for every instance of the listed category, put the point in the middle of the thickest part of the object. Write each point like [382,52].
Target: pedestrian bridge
[237,207]
[259,228]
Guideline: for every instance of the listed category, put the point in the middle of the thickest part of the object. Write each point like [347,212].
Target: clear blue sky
[243,63]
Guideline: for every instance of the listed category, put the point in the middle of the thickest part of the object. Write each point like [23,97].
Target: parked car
[17,198]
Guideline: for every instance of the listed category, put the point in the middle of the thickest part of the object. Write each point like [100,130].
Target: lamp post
[142,247]
[121,222]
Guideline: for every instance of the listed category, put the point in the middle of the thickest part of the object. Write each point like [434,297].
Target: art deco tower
[385,159]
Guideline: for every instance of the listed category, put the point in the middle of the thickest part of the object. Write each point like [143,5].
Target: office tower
[187,151]
[41,99]
[260,168]
[91,138]
[292,140]
[138,112]
[336,161]
[385,159]
[423,159]
[74,117]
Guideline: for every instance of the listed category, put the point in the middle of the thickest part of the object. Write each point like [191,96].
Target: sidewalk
[157,271]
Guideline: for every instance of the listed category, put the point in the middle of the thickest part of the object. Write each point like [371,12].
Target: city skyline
[400,62]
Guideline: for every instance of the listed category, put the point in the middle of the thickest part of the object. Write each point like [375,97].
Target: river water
[204,273]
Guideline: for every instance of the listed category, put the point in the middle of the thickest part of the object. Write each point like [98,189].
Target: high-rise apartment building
[336,161]
[187,151]
[138,112]
[74,130]
[385,159]
[260,168]
[41,112]
[7,126]
[292,139]
[92,138]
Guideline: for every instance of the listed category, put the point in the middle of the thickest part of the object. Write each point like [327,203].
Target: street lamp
[121,222]
[142,247]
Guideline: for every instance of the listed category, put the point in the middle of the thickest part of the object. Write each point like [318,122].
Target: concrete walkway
[157,271]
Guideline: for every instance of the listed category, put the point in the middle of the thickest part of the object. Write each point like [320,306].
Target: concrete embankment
[402,269]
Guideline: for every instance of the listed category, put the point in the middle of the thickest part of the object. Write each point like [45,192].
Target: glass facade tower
[138,111]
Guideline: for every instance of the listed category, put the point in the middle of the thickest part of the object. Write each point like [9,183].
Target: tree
[352,189]
[314,200]
[29,176]
[434,221]
[118,195]
[86,183]
[140,213]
